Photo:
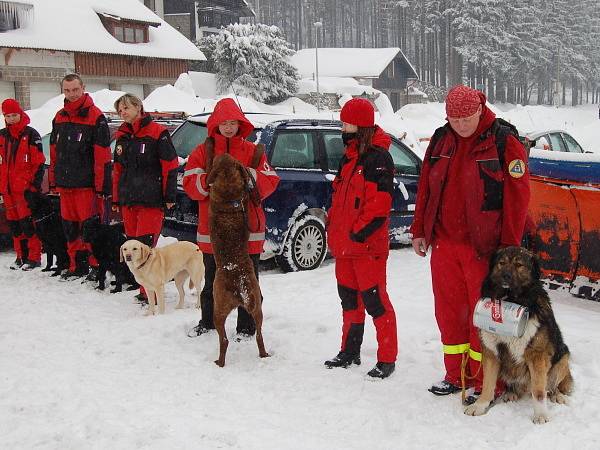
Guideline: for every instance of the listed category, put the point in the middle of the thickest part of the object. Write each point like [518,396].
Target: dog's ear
[536,271]
[145,251]
[209,152]
[121,257]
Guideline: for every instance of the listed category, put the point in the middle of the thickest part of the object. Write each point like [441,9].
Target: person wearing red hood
[358,237]
[471,200]
[21,172]
[79,167]
[228,129]
[144,173]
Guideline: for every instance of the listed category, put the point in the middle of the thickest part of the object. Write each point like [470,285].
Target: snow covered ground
[84,369]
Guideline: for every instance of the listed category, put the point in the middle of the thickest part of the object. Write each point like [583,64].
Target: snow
[84,369]
[87,34]
[344,62]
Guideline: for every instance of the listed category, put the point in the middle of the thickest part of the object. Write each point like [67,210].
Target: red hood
[16,129]
[227,109]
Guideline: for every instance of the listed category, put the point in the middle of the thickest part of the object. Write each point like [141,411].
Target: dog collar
[144,263]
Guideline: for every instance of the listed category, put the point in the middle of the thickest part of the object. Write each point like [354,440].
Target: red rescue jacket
[21,159]
[194,179]
[467,196]
[358,220]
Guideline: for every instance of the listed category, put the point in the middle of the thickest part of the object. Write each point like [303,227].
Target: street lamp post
[318,26]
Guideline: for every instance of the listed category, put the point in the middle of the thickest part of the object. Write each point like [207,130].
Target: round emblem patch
[119,149]
[516,168]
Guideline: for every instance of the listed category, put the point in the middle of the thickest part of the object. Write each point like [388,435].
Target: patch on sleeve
[516,168]
[119,150]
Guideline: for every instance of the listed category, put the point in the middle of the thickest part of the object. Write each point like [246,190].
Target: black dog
[48,226]
[106,241]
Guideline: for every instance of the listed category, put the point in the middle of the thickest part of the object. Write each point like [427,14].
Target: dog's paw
[149,312]
[509,396]
[220,363]
[541,418]
[558,397]
[476,409]
[179,306]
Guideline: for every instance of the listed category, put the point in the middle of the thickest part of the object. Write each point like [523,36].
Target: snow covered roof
[346,62]
[75,25]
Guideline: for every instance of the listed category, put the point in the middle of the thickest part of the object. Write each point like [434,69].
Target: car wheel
[305,246]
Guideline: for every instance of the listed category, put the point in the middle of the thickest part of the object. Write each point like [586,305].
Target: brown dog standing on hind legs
[235,282]
[538,361]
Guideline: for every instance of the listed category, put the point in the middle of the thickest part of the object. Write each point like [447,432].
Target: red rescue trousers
[18,215]
[362,286]
[142,221]
[457,273]
[76,206]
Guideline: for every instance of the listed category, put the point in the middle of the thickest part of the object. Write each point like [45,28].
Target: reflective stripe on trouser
[362,287]
[457,275]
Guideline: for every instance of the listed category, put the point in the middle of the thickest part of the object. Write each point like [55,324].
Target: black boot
[200,329]
[16,264]
[343,359]
[382,370]
[443,387]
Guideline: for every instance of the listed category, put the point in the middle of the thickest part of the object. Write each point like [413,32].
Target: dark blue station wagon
[305,154]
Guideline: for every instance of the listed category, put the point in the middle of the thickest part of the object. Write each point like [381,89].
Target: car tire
[305,246]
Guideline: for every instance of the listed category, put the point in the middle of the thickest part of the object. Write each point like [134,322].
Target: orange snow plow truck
[565,208]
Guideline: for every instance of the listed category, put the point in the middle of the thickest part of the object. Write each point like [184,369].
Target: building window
[119,34]
[127,31]
[14,15]
[390,70]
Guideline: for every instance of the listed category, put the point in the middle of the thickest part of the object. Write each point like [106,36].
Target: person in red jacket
[79,167]
[228,129]
[21,173]
[144,173]
[358,237]
[471,200]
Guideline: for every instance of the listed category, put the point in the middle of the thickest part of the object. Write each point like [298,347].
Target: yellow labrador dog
[153,267]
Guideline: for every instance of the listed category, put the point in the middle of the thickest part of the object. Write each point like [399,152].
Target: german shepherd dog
[538,361]
[235,281]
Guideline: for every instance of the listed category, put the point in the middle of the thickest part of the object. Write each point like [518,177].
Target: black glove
[358,237]
[32,198]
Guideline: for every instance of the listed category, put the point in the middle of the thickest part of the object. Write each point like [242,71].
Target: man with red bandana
[79,167]
[470,202]
[228,129]
[21,173]
[358,237]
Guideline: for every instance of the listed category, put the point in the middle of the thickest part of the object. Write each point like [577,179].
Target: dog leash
[463,374]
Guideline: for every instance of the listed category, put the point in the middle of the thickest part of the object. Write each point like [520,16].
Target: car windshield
[187,137]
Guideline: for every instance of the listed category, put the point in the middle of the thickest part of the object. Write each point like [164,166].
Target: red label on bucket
[497,310]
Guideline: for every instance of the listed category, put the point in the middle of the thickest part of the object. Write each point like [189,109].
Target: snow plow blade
[565,208]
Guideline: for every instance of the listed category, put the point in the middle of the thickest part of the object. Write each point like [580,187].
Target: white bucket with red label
[500,317]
